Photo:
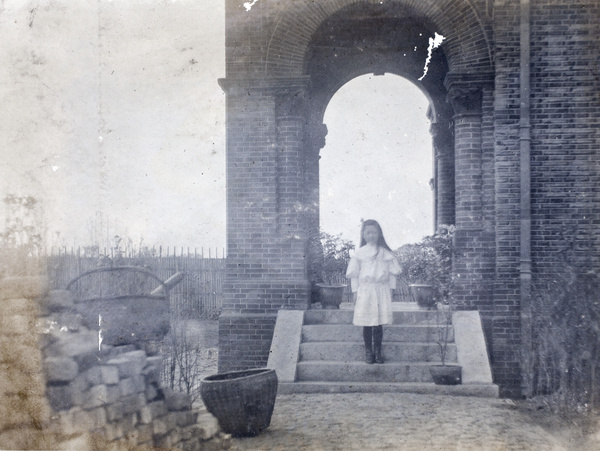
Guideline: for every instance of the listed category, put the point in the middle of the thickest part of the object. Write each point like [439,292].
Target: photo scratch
[99,332]
[434,43]
[249,5]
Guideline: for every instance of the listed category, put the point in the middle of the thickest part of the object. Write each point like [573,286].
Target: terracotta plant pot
[331,296]
[242,401]
[446,374]
[424,295]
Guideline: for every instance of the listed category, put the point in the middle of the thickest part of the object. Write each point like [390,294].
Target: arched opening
[385,45]
[295,56]
[377,161]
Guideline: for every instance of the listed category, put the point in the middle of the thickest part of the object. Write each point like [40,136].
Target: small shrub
[443,320]
[329,256]
[336,255]
[563,363]
[430,261]
[182,360]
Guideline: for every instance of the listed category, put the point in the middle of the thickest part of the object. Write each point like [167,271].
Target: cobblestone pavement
[395,421]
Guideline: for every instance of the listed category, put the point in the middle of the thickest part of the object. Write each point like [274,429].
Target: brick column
[474,246]
[291,187]
[443,149]
[315,134]
[266,228]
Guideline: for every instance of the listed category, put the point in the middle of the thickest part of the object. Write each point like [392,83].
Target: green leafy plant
[430,261]
[336,255]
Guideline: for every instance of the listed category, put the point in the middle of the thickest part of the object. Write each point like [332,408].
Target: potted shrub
[427,265]
[445,374]
[331,268]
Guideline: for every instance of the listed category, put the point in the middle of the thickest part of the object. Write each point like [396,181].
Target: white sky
[114,120]
[377,162]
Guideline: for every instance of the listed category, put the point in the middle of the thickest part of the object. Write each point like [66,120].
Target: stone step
[348,333]
[479,390]
[392,352]
[345,317]
[363,372]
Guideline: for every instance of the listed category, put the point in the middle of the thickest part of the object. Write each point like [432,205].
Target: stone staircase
[321,351]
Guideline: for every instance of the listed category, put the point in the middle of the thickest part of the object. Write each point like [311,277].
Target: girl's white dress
[373,272]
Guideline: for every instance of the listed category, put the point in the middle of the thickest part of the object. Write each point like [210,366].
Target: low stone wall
[69,387]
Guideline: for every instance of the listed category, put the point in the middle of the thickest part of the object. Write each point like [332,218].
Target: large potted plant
[331,269]
[427,266]
[445,374]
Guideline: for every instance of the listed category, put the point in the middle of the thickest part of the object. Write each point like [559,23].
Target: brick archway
[467,42]
[285,61]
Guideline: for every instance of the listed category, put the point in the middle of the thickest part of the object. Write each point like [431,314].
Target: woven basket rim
[237,375]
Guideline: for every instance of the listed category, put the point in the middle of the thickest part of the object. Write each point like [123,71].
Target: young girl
[373,270]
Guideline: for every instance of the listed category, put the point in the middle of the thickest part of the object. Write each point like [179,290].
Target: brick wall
[506,319]
[565,112]
[245,340]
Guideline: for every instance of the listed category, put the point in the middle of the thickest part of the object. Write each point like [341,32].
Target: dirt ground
[399,421]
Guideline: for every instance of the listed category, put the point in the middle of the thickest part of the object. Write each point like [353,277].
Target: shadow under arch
[463,24]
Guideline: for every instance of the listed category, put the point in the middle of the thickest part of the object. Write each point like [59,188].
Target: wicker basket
[242,401]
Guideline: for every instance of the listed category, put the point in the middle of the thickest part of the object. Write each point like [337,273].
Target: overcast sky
[113,118]
[377,162]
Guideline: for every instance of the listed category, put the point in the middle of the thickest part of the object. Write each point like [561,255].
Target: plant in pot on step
[331,268]
[445,374]
[427,265]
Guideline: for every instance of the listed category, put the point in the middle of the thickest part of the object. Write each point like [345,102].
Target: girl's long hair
[381,241]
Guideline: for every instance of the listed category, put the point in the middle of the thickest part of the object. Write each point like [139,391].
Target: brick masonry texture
[271,150]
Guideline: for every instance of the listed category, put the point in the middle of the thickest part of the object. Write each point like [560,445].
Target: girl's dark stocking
[368,337]
[377,340]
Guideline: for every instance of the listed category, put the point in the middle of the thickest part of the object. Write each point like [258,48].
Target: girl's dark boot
[377,341]
[368,337]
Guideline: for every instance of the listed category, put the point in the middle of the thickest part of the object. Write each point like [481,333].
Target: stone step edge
[424,388]
[385,326]
[449,362]
[361,342]
[401,363]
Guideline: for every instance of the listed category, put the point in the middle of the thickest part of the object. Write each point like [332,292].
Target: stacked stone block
[62,390]
[114,393]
